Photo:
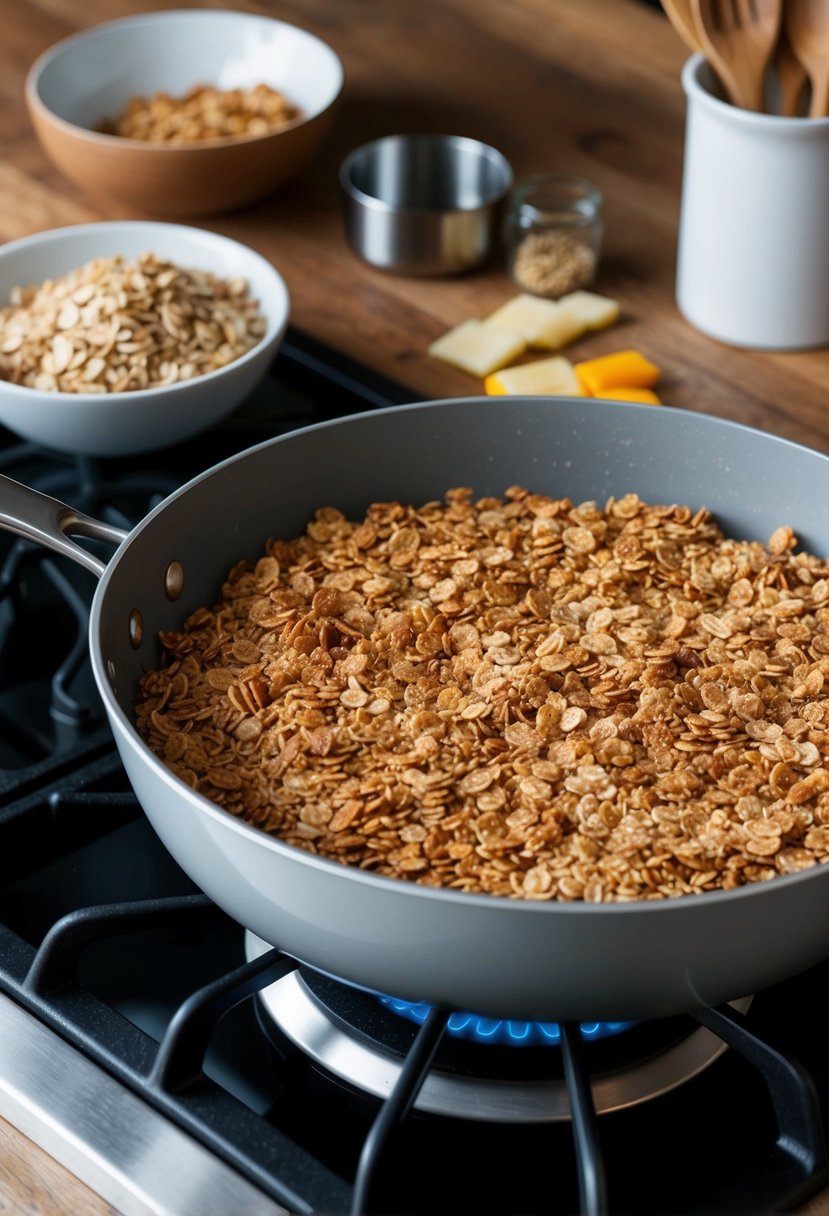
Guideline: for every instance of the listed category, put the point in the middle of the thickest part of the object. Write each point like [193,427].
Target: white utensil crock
[753,250]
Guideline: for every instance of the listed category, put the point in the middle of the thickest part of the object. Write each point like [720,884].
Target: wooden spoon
[682,19]
[792,79]
[738,37]
[807,28]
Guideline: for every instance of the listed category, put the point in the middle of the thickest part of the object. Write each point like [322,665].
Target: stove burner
[510,1034]
[348,1033]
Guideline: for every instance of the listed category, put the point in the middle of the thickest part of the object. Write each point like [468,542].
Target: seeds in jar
[553,263]
[203,113]
[118,324]
[519,696]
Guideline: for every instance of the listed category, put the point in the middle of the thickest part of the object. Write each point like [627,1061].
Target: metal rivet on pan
[136,628]
[174,580]
[111,673]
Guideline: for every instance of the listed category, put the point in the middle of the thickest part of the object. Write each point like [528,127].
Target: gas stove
[179,1065]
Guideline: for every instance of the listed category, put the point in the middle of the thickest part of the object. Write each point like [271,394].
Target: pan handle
[50,522]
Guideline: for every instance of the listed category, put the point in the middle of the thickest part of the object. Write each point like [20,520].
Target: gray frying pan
[490,955]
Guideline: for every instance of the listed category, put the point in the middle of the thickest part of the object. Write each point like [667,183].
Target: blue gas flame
[506,1033]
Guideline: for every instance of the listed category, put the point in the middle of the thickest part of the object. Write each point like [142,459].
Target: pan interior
[751,481]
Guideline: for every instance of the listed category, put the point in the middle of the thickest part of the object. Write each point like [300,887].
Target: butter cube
[551,324]
[530,316]
[478,348]
[553,377]
[594,311]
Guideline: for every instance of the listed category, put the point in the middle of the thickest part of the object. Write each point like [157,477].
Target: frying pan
[499,957]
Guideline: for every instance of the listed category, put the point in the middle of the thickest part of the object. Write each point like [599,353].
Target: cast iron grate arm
[398,1104]
[183,1048]
[800,1157]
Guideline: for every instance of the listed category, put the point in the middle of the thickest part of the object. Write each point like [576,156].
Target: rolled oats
[117,324]
[492,695]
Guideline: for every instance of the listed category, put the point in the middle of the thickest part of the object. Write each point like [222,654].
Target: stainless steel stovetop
[180,1066]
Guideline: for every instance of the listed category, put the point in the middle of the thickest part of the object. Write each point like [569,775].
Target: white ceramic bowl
[141,420]
[77,84]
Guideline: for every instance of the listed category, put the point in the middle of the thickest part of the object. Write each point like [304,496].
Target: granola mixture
[116,324]
[204,112]
[519,696]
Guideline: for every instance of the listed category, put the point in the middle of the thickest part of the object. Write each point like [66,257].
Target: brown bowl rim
[125,143]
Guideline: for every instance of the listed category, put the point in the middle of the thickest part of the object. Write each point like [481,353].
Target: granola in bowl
[204,112]
[518,696]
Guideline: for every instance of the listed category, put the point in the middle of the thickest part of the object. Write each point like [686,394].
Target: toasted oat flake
[203,112]
[636,708]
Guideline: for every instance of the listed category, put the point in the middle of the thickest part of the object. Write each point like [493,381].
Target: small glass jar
[553,234]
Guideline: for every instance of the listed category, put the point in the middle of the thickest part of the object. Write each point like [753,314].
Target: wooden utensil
[807,28]
[792,79]
[682,19]
[738,37]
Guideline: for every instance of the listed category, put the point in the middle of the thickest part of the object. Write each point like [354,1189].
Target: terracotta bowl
[81,82]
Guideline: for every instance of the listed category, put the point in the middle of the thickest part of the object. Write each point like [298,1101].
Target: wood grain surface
[33,1184]
[583,86]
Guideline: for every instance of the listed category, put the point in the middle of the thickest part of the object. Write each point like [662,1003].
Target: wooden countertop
[590,88]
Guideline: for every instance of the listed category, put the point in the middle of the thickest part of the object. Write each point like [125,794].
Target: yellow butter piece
[477,347]
[577,314]
[552,324]
[628,393]
[529,316]
[552,377]
[592,310]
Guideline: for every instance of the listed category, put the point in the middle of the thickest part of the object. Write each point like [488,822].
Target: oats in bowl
[111,350]
[79,83]
[117,324]
[202,113]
